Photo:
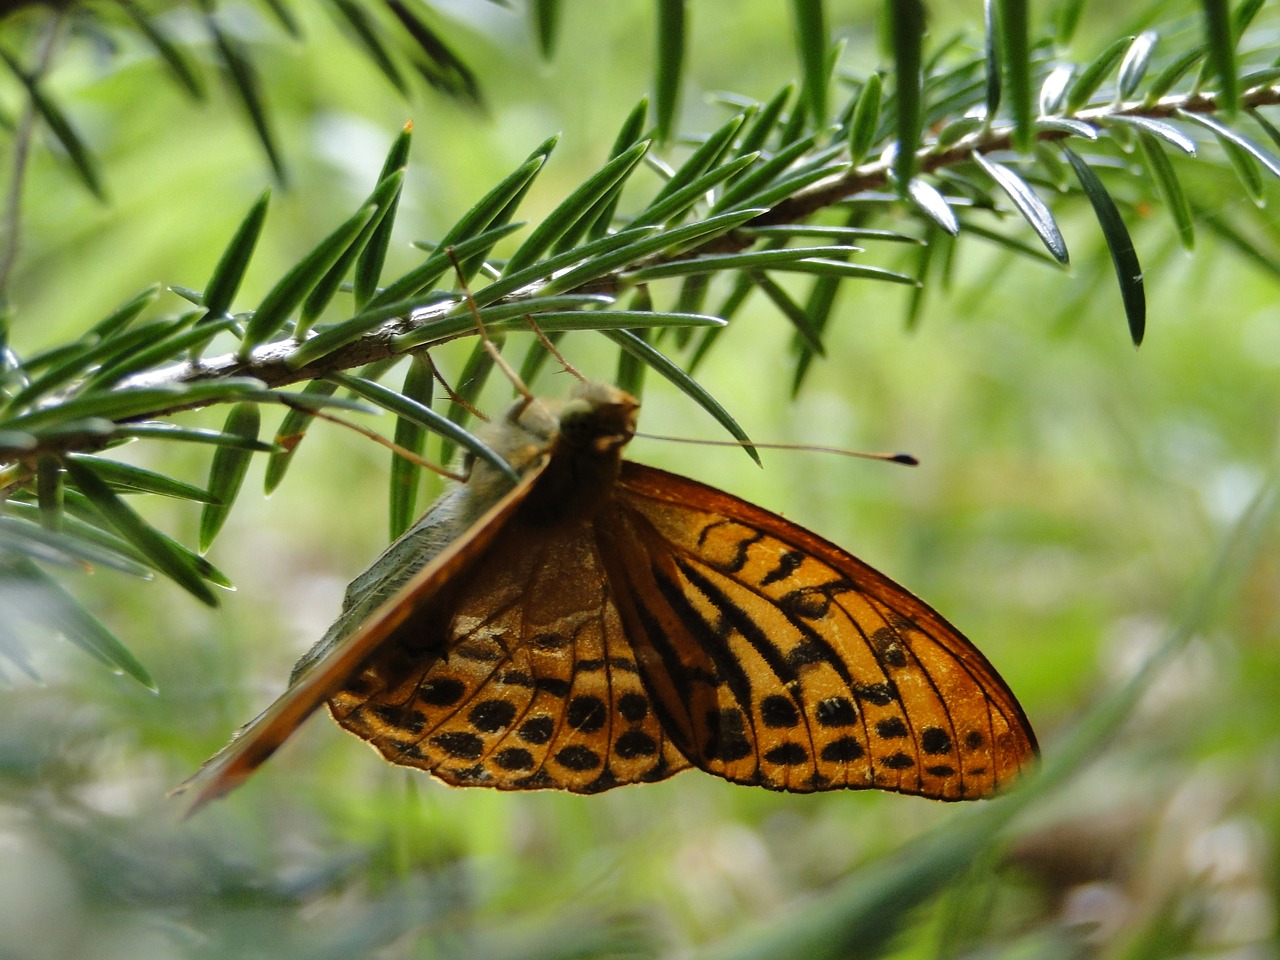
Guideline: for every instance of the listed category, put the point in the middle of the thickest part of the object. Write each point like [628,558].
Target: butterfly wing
[775,658]
[527,681]
[426,593]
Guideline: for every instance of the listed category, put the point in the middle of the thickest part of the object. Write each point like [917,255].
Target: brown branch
[270,363]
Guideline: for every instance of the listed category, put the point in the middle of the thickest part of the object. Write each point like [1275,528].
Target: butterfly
[602,623]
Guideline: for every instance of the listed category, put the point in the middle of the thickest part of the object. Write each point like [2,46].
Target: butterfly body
[603,623]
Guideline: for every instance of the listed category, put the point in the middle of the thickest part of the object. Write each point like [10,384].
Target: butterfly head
[598,418]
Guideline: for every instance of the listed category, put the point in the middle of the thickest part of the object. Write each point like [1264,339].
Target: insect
[602,623]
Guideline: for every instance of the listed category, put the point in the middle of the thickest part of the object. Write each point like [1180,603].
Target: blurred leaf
[907,24]
[933,205]
[443,69]
[1029,205]
[1054,89]
[1170,189]
[807,335]
[1225,230]
[284,17]
[1165,131]
[1123,255]
[43,598]
[419,381]
[49,492]
[1095,75]
[170,431]
[1015,31]
[63,547]
[690,387]
[48,111]
[1012,244]
[668,65]
[80,508]
[244,81]
[1246,171]
[365,32]
[546,18]
[1066,18]
[866,120]
[290,433]
[158,550]
[169,52]
[992,60]
[126,477]
[226,473]
[1172,73]
[1220,42]
[809,24]
[1243,16]
[1136,60]
[1227,135]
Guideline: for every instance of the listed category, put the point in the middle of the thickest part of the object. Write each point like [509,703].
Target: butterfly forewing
[780,660]
[537,686]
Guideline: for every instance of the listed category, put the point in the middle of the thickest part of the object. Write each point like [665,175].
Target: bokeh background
[1073,497]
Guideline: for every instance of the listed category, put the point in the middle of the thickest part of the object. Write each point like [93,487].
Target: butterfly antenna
[376,437]
[905,459]
[454,396]
[494,352]
[551,349]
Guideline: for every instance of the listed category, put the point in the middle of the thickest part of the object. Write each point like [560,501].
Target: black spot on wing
[578,758]
[634,707]
[788,754]
[490,716]
[587,713]
[779,712]
[441,692]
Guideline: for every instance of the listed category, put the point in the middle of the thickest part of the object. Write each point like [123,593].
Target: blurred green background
[1072,495]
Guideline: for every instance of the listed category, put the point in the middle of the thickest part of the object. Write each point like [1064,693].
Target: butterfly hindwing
[536,687]
[778,659]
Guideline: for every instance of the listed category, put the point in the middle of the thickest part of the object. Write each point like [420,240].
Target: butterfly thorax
[584,455]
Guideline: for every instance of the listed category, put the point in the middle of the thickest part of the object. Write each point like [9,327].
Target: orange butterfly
[603,623]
